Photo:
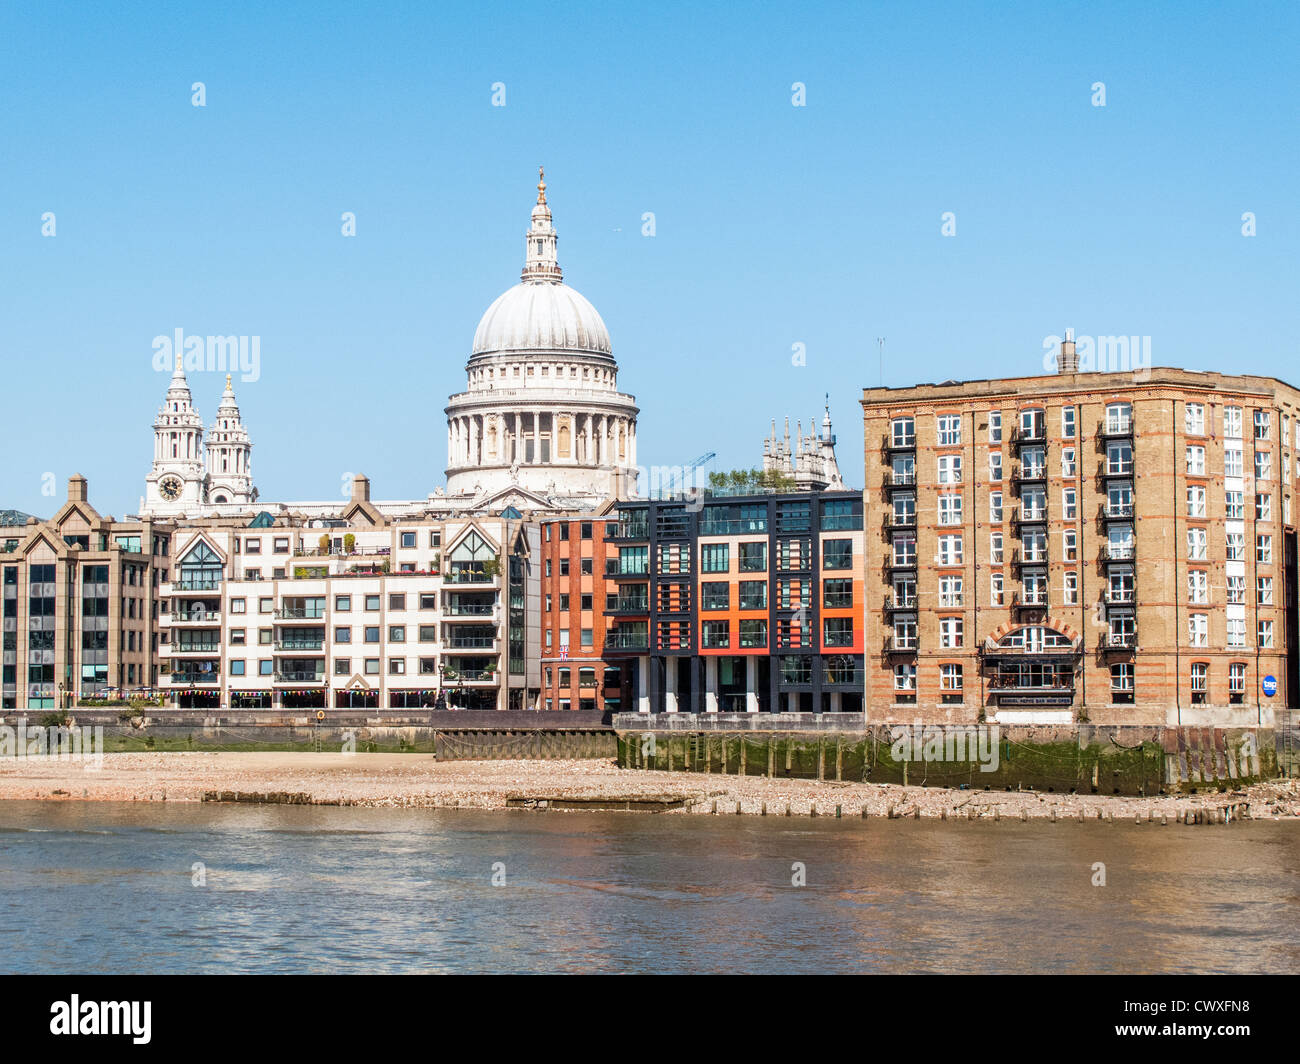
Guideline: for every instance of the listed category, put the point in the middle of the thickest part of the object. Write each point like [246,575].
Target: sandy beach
[415,781]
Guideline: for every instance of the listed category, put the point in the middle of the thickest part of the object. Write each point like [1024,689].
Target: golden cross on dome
[178,361]
[541,184]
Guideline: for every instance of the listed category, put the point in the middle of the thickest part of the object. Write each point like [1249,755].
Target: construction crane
[677,481]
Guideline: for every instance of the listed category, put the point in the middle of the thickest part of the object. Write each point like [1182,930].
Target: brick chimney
[1068,362]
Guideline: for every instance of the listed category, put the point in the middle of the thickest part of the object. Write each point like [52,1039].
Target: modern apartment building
[738,604]
[79,595]
[360,611]
[1110,547]
[579,603]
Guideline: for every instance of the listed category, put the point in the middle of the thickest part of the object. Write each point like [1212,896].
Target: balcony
[284,645]
[1030,559]
[472,643]
[1120,641]
[901,562]
[892,443]
[1030,474]
[1117,511]
[616,640]
[1035,434]
[1118,552]
[1029,600]
[210,648]
[211,618]
[299,613]
[901,644]
[299,677]
[191,584]
[470,576]
[1109,470]
[1115,428]
[194,679]
[630,604]
[1022,515]
[897,605]
[460,676]
[631,530]
[897,521]
[469,609]
[896,478]
[843,676]
[1120,596]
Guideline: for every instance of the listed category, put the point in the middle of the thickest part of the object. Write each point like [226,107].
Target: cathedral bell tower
[178,481]
[230,475]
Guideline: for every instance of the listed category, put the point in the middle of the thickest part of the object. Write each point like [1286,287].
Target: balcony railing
[1118,641]
[1025,473]
[469,609]
[197,583]
[299,677]
[1029,558]
[1117,511]
[901,561]
[212,618]
[631,605]
[1118,552]
[895,478]
[1029,515]
[901,644]
[616,640]
[317,645]
[1033,434]
[893,604]
[472,643]
[1120,596]
[903,520]
[1115,469]
[1115,427]
[212,647]
[469,576]
[1029,600]
[458,676]
[899,443]
[180,679]
[299,613]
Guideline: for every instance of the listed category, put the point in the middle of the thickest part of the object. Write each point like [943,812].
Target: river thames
[132,887]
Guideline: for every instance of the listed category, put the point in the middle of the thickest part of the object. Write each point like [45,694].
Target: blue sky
[776,224]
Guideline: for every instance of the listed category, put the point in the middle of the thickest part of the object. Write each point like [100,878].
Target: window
[1070,503]
[1196,544]
[949,430]
[753,595]
[237,668]
[1198,629]
[429,600]
[995,466]
[1232,422]
[995,507]
[266,605]
[903,432]
[1071,589]
[1195,501]
[1196,461]
[950,591]
[995,426]
[1264,590]
[1119,458]
[715,557]
[838,631]
[949,509]
[396,666]
[1232,462]
[753,557]
[1236,632]
[904,550]
[1121,681]
[1265,633]
[428,633]
[252,546]
[838,554]
[1263,465]
[1236,591]
[585,637]
[995,547]
[343,603]
[996,589]
[1069,465]
[372,603]
[1234,505]
[1261,424]
[950,682]
[1236,546]
[371,666]
[1264,507]
[1198,587]
[1070,545]
[950,469]
[1200,678]
[397,633]
[1067,423]
[1237,682]
[1119,418]
[950,550]
[372,634]
[397,602]
[753,633]
[1264,550]
[950,632]
[837,594]
[905,683]
[584,530]
[238,605]
[342,666]
[1194,419]
[715,595]
[1032,424]
[343,635]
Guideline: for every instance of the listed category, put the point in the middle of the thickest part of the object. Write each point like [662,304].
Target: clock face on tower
[170,488]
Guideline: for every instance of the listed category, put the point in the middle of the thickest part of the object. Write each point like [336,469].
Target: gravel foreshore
[417,780]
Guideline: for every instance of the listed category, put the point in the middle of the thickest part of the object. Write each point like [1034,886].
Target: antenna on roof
[880,342]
